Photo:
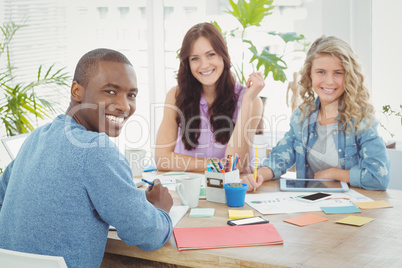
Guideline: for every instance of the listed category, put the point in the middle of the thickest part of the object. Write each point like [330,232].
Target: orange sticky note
[306,220]
[374,204]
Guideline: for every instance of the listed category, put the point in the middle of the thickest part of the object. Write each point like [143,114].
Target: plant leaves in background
[288,37]
[20,106]
[271,62]
[250,13]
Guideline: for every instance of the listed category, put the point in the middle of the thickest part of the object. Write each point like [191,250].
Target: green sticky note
[203,193]
[202,212]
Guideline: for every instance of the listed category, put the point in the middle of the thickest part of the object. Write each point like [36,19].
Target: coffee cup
[136,159]
[188,189]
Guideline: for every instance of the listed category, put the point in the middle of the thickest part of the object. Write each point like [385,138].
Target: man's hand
[159,196]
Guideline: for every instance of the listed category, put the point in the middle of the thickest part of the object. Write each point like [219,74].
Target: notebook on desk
[226,236]
[13,144]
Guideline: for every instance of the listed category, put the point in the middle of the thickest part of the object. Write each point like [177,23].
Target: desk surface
[376,244]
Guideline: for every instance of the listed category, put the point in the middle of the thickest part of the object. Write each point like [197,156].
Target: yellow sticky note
[355,220]
[240,214]
[374,204]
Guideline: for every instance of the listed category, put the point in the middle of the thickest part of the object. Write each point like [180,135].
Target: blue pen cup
[235,194]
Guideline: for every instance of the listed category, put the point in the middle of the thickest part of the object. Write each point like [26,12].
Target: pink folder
[226,236]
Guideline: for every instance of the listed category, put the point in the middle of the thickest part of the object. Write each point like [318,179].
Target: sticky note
[203,192]
[240,214]
[374,204]
[306,220]
[202,212]
[355,220]
[340,210]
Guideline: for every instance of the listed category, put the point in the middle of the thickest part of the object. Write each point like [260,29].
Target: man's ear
[77,92]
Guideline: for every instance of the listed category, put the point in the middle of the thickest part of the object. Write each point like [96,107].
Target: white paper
[287,202]
[177,212]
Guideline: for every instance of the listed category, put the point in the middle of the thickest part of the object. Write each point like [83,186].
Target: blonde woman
[333,133]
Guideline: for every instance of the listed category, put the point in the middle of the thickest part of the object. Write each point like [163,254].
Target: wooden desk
[376,244]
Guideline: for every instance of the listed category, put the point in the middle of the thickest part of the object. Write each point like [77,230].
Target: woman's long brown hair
[189,91]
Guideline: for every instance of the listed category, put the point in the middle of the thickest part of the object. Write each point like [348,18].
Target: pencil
[255,165]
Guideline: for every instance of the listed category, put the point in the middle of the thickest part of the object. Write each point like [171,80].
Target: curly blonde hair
[354,104]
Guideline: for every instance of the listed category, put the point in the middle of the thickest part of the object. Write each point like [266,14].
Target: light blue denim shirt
[364,153]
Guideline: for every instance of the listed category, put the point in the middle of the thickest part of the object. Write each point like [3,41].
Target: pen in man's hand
[150,183]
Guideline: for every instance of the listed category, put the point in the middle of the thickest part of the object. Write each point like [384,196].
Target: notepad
[354,220]
[306,220]
[340,210]
[374,204]
[202,212]
[240,214]
[226,236]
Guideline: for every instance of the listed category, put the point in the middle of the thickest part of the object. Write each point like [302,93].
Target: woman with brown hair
[208,114]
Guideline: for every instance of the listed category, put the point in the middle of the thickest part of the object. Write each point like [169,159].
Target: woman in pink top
[207,115]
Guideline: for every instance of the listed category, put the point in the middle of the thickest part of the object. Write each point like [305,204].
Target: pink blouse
[207,146]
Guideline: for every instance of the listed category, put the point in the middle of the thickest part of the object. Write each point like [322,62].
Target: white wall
[387,59]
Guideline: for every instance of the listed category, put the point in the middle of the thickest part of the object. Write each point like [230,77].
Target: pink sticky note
[306,220]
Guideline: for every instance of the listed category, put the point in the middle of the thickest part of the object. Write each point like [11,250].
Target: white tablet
[313,185]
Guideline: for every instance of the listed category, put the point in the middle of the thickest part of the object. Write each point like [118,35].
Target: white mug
[188,189]
[136,158]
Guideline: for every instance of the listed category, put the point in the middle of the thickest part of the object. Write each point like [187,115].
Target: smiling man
[69,182]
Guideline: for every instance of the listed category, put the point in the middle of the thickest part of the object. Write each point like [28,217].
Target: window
[149,33]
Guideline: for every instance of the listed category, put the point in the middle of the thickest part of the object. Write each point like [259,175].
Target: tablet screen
[299,183]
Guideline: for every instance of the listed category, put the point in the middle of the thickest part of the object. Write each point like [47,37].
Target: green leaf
[271,62]
[288,37]
[250,13]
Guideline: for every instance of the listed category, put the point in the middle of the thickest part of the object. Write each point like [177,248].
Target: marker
[150,183]
[220,165]
[235,162]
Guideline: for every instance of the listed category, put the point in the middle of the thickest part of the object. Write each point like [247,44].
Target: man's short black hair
[87,66]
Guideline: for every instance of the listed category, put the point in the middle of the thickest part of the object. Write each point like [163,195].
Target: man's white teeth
[115,119]
[328,90]
[210,72]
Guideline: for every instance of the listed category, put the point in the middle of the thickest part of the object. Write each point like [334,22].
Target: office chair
[15,259]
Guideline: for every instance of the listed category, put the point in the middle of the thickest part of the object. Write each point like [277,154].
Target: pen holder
[235,194]
[215,182]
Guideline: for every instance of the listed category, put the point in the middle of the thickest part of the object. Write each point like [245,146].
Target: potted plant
[250,14]
[387,110]
[20,106]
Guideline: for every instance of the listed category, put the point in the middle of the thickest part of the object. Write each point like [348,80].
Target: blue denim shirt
[364,153]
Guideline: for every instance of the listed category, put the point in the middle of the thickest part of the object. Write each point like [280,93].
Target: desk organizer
[215,182]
